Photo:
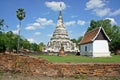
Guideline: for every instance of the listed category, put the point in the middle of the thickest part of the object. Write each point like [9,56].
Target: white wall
[89,49]
[101,48]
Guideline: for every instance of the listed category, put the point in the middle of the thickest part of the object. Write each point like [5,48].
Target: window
[85,48]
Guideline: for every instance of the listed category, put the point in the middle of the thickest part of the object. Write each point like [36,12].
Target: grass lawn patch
[79,59]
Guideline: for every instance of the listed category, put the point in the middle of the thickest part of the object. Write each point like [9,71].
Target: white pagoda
[60,38]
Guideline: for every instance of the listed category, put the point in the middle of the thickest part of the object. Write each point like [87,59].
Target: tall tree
[34,47]
[20,13]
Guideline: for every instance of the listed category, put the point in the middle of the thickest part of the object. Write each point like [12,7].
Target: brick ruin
[30,65]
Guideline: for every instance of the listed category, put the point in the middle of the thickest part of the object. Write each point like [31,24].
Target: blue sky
[41,16]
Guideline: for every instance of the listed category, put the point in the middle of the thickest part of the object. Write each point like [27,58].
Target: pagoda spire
[60,19]
[60,13]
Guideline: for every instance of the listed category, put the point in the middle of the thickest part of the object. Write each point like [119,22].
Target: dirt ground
[19,76]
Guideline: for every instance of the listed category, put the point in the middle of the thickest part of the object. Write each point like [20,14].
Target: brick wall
[26,64]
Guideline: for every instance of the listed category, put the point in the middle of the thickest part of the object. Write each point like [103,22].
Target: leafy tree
[34,47]
[26,44]
[9,40]
[20,13]
[2,35]
[41,46]
[74,40]
[77,41]
[2,42]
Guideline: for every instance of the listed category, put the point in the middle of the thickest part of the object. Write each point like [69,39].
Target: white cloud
[81,22]
[39,23]
[73,16]
[70,23]
[37,33]
[36,24]
[16,31]
[33,26]
[70,32]
[55,5]
[31,40]
[102,12]
[113,22]
[49,35]
[47,13]
[117,12]
[44,22]
[99,8]
[30,27]
[93,4]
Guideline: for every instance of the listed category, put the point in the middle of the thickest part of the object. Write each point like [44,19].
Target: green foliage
[34,47]
[2,42]
[115,78]
[41,46]
[20,13]
[1,73]
[26,44]
[77,41]
[78,76]
[113,31]
[8,41]
[2,24]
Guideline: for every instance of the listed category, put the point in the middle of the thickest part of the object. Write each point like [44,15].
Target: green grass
[77,59]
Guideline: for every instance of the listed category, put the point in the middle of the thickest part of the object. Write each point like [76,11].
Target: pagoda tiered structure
[60,38]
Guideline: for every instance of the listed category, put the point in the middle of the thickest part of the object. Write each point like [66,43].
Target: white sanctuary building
[95,43]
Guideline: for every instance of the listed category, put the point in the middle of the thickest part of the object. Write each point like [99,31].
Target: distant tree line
[9,41]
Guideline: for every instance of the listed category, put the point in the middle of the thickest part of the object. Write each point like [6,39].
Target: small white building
[95,43]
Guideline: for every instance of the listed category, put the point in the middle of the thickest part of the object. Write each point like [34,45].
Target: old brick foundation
[29,65]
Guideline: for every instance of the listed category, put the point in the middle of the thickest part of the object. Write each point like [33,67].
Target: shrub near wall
[29,65]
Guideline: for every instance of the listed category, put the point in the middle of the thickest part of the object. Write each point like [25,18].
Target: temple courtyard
[78,59]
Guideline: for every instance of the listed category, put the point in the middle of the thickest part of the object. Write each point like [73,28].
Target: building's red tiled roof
[89,36]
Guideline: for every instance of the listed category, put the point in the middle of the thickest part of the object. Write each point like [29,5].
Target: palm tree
[20,13]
